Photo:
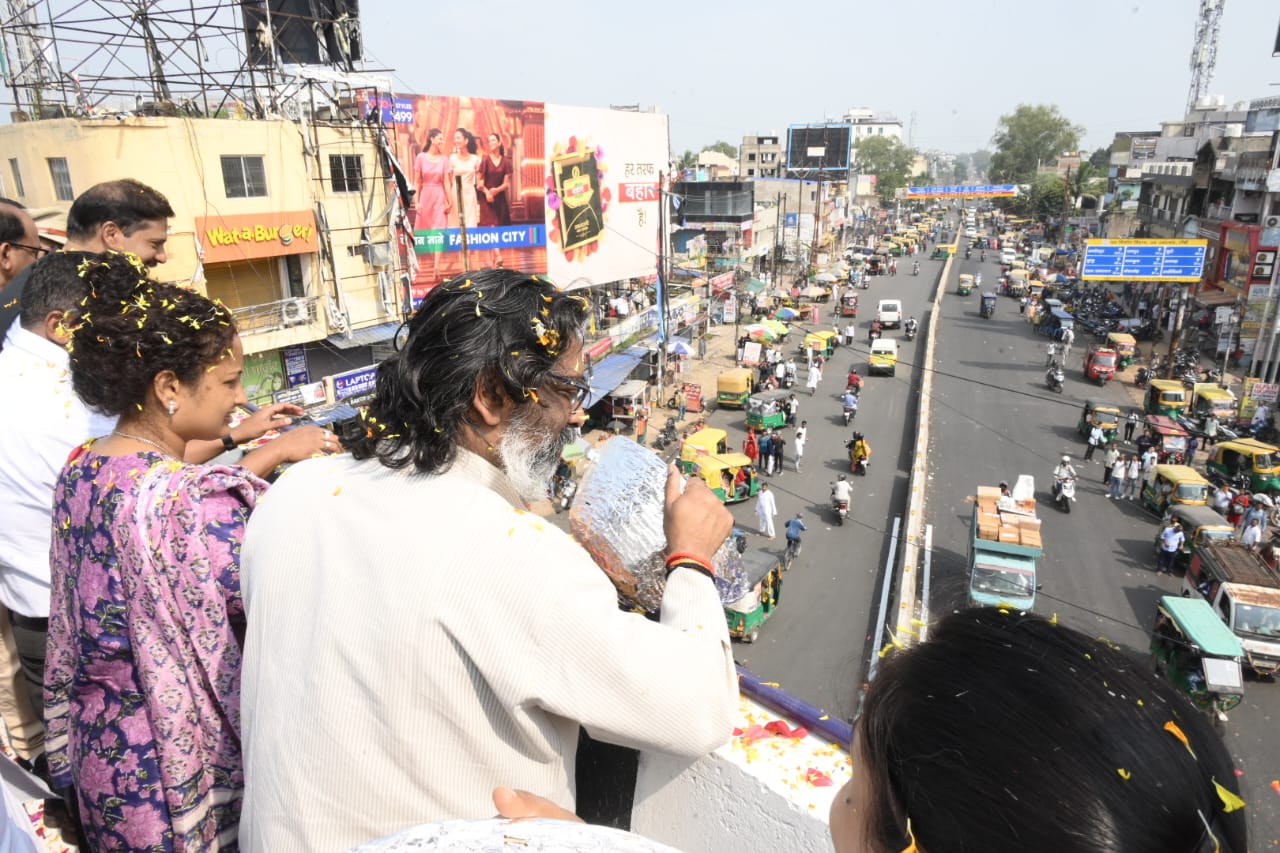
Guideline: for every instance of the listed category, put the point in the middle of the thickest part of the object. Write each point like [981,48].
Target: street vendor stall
[622,405]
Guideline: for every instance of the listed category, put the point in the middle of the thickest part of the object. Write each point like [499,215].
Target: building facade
[761,157]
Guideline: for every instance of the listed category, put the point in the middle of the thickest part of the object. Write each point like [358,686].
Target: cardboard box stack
[1013,523]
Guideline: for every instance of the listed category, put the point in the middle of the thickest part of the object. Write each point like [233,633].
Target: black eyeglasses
[35,250]
[581,389]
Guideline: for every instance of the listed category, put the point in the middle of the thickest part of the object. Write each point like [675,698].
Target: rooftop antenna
[1204,54]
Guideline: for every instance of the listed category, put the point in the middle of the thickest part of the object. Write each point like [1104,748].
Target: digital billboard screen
[824,147]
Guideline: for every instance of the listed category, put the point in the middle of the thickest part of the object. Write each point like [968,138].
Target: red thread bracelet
[681,557]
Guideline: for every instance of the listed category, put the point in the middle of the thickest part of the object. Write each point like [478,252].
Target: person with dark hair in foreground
[141,683]
[405,598]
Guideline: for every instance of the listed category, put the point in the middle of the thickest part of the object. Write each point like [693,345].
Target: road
[816,644]
[993,419]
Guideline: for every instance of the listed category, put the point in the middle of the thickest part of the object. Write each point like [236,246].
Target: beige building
[285,223]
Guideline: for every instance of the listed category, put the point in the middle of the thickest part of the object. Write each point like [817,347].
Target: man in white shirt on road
[766,511]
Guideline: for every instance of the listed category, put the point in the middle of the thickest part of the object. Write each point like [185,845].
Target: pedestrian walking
[1022,305]
[750,447]
[1118,469]
[1051,353]
[1210,430]
[681,403]
[793,409]
[766,451]
[1193,444]
[1096,439]
[1109,460]
[1171,540]
[1130,424]
[811,382]
[1252,534]
[766,510]
[1133,478]
[779,447]
[1068,338]
[802,435]
[1256,512]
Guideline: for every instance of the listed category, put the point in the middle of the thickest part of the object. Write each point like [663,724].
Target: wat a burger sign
[248,236]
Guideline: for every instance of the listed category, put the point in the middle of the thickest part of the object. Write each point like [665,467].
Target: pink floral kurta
[142,680]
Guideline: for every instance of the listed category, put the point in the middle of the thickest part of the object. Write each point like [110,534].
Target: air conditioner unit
[293,312]
[1271,222]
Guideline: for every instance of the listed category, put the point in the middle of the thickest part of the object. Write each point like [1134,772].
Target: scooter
[841,508]
[968,253]
[865,282]
[849,414]
[1066,494]
[562,491]
[789,380]
[667,436]
[1054,377]
[909,332]
[915,269]
[1142,377]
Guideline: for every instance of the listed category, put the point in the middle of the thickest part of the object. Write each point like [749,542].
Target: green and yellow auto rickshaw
[1104,413]
[1168,438]
[1197,653]
[767,409]
[1124,345]
[965,285]
[730,475]
[1174,484]
[1200,524]
[1210,398]
[822,342]
[733,387]
[1246,457]
[764,577]
[1165,397]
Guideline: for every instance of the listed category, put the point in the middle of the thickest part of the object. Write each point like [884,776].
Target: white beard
[530,455]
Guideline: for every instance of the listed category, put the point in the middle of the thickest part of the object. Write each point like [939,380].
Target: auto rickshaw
[1124,345]
[707,441]
[849,304]
[1168,438]
[1197,653]
[1100,364]
[1174,484]
[730,475]
[988,308]
[942,251]
[1209,397]
[1016,285]
[1165,397]
[1246,457]
[767,409]
[733,387]
[1055,323]
[965,285]
[764,578]
[1200,524]
[1103,413]
[823,342]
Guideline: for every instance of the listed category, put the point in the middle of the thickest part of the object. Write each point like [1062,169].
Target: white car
[1007,256]
[889,313]
[971,232]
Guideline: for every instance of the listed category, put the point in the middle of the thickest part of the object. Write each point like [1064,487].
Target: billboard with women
[603,169]
[570,192]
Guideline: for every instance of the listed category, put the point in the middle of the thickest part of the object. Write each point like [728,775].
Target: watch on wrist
[228,443]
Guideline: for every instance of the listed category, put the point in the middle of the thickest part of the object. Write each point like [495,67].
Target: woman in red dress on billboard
[494,185]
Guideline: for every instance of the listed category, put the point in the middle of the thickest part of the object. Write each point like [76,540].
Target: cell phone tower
[1204,55]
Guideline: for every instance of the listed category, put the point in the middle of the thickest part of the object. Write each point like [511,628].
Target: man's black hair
[128,203]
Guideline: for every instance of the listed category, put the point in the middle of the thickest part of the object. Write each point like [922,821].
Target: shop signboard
[262,377]
[355,383]
[296,371]
[248,236]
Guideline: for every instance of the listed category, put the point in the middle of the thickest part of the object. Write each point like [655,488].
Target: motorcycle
[789,379]
[865,282]
[849,413]
[1066,493]
[909,332]
[841,508]
[562,491]
[983,257]
[1054,377]
[915,269]
[668,436]
[968,253]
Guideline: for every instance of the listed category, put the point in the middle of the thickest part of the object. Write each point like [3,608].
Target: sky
[724,70]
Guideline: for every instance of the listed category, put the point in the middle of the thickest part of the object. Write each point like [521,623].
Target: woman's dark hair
[500,328]
[1005,732]
[131,328]
[502,149]
[471,140]
[432,134]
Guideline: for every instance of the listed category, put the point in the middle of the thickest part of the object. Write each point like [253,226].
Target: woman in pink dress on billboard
[431,169]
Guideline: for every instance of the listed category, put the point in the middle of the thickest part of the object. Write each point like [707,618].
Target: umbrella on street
[679,347]
[760,333]
[1265,500]
[778,329]
[786,314]
[826,277]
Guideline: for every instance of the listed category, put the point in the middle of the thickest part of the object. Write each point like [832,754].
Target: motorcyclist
[791,370]
[874,332]
[915,268]
[859,449]
[983,256]
[854,381]
[849,401]
[1064,471]
[841,490]
[911,325]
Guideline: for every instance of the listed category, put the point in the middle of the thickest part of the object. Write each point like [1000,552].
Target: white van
[889,313]
[1007,255]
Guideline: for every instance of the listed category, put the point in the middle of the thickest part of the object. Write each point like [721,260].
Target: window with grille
[346,173]
[244,177]
[61,175]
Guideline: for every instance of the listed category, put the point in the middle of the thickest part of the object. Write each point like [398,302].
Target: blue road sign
[964,191]
[1143,260]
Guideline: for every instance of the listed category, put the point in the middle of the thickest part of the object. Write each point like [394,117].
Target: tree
[724,148]
[980,160]
[886,158]
[959,172]
[1100,159]
[688,160]
[1028,136]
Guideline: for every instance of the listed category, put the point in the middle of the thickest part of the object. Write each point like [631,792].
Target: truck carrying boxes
[1003,547]
[1245,593]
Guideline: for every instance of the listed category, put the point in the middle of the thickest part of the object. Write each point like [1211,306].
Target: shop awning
[609,373]
[1214,298]
[365,337]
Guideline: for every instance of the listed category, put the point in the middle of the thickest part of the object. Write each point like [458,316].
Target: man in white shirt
[802,434]
[417,638]
[766,511]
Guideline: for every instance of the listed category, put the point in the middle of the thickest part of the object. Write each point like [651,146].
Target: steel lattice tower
[1204,55]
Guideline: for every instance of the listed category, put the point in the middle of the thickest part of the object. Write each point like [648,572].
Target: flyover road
[816,644]
[993,419]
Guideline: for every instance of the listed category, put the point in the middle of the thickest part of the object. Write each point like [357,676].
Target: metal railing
[270,316]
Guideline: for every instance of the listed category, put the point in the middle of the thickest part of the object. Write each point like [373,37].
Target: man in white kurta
[766,510]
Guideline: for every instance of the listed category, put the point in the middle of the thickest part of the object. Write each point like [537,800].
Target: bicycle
[792,551]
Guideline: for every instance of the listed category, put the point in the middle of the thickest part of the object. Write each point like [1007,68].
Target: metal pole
[1176,332]
[462,222]
[925,575]
[886,583]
